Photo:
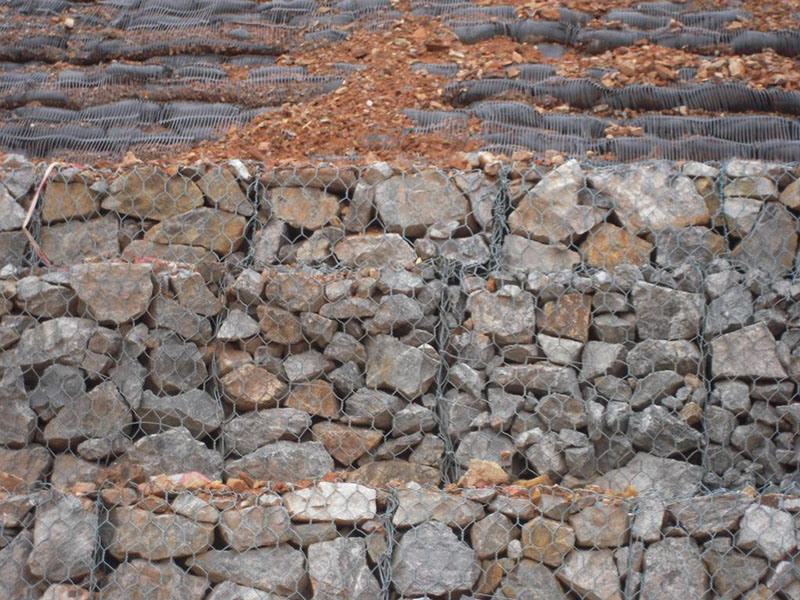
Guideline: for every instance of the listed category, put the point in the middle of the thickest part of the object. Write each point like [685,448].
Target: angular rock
[374,250]
[740,214]
[315,398]
[283,461]
[219,185]
[602,526]
[702,517]
[41,299]
[761,359]
[114,292]
[430,559]
[249,387]
[520,254]
[508,316]
[12,215]
[346,443]
[279,326]
[673,569]
[171,452]
[76,241]
[761,188]
[485,445]
[245,528]
[248,432]
[592,574]
[416,506]
[732,574]
[17,420]
[664,477]
[279,569]
[552,210]
[732,309]
[560,351]
[767,531]
[542,378]
[29,464]
[100,413]
[654,387]
[139,579]
[544,452]
[195,410]
[176,368]
[657,431]
[396,313]
[132,531]
[491,535]
[559,411]
[303,207]
[651,197]
[64,540]
[568,317]
[609,246]
[148,193]
[601,358]
[692,245]
[377,475]
[15,579]
[341,503]
[546,540]
[237,326]
[409,204]
[394,366]
[772,242]
[530,580]
[214,230]
[666,314]
[306,366]
[350,308]
[649,356]
[338,569]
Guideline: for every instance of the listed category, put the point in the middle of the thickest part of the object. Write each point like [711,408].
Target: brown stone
[114,292]
[135,532]
[221,188]
[279,325]
[379,474]
[609,246]
[303,207]
[66,200]
[547,541]
[76,241]
[314,397]
[568,317]
[296,291]
[345,443]
[149,193]
[250,387]
[215,230]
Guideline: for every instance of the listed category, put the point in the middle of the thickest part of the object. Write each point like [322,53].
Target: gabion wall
[240,382]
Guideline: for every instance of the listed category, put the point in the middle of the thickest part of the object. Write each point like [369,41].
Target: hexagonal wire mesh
[234,381]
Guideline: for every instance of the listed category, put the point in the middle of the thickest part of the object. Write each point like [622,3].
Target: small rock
[215,230]
[303,207]
[767,531]
[393,365]
[491,535]
[507,316]
[374,250]
[649,356]
[237,326]
[250,387]
[548,541]
[567,317]
[195,410]
[254,526]
[341,503]
[248,432]
[76,241]
[523,255]
[346,443]
[657,431]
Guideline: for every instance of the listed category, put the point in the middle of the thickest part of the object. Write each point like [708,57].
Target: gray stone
[194,508]
[245,528]
[345,348]
[394,366]
[732,309]
[602,526]
[559,411]
[673,569]
[193,293]
[306,366]
[227,590]
[165,313]
[666,314]
[131,531]
[100,413]
[719,424]
[129,376]
[42,299]
[650,515]
[772,242]
[345,443]
[430,559]
[651,197]
[485,445]
[176,368]
[338,569]
[237,326]
[522,255]
[283,461]
[614,329]
[544,452]
[733,396]
[104,447]
[767,531]
[708,516]
[73,242]
[396,313]
[602,358]
[114,292]
[372,408]
[649,356]
[491,535]
[749,186]
[17,420]
[318,330]
[246,433]
[394,280]
[374,250]
[64,540]
[503,408]
[760,360]
[530,580]
[409,204]
[546,540]
[508,316]
[138,579]
[560,351]
[412,419]
[693,245]
[732,574]
[415,506]
[30,464]
[592,574]
[305,534]
[69,470]
[64,340]
[15,579]
[428,452]
[657,431]
[279,569]
[215,230]
[377,475]
[195,410]
[666,478]
[542,378]
[171,452]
